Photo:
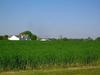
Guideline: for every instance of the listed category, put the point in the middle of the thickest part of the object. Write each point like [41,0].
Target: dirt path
[71,68]
[56,69]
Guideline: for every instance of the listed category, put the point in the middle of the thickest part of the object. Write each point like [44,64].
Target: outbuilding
[43,39]
[13,38]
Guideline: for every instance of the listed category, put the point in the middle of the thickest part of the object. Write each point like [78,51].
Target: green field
[25,55]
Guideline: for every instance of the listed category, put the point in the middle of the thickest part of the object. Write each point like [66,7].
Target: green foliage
[30,35]
[98,38]
[1,37]
[35,54]
[89,38]
[5,37]
[27,33]
[33,37]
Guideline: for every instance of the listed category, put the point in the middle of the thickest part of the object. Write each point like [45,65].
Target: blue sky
[51,18]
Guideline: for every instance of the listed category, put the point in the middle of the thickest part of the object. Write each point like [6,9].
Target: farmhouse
[13,37]
[24,37]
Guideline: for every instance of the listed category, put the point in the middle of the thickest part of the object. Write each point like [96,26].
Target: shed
[13,38]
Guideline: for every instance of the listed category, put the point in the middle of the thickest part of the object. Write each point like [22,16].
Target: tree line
[3,37]
[77,39]
[34,37]
[29,34]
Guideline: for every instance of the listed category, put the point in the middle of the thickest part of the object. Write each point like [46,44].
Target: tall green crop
[34,54]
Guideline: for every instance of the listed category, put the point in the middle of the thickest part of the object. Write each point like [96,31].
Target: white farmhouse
[13,38]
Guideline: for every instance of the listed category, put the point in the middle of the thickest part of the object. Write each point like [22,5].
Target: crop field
[23,55]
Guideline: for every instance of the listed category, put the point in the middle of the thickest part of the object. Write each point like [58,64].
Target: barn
[13,37]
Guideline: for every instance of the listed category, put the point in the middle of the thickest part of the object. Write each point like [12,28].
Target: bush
[5,37]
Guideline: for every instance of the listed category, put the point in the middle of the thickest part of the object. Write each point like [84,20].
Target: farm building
[24,37]
[43,39]
[13,38]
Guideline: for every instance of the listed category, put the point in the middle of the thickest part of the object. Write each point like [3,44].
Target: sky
[51,18]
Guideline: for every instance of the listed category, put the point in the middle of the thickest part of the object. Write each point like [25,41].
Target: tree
[1,37]
[33,37]
[29,34]
[89,38]
[98,38]
[64,39]
[26,33]
[5,37]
